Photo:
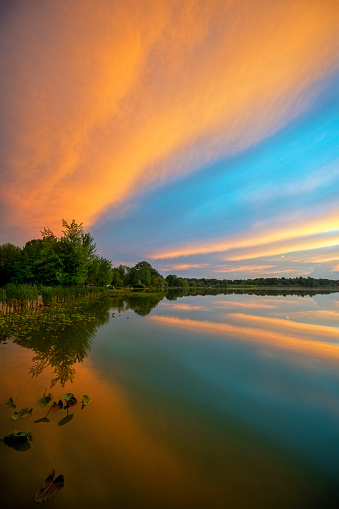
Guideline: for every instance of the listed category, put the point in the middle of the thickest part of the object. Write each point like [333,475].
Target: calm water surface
[227,401]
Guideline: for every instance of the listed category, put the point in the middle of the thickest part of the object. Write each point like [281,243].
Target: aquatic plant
[23,413]
[10,403]
[18,440]
[85,401]
[50,488]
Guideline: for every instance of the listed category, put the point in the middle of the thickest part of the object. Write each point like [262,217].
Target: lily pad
[42,402]
[50,488]
[65,420]
[43,419]
[86,400]
[67,396]
[23,413]
[18,441]
[73,401]
[10,403]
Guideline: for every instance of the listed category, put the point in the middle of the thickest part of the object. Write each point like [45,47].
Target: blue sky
[199,136]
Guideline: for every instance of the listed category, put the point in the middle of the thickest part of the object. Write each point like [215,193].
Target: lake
[205,401]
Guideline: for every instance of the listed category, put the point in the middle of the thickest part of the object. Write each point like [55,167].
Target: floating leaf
[23,413]
[43,419]
[85,401]
[18,441]
[67,396]
[10,403]
[42,402]
[73,401]
[50,489]
[65,420]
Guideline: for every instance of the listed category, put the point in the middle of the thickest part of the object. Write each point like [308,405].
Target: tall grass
[24,296]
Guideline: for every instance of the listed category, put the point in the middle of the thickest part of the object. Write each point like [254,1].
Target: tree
[38,262]
[77,252]
[100,272]
[9,253]
[171,279]
[117,279]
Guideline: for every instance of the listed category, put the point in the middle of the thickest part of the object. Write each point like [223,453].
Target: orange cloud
[185,266]
[287,247]
[271,240]
[245,268]
[102,101]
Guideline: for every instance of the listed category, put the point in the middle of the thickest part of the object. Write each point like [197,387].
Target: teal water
[216,401]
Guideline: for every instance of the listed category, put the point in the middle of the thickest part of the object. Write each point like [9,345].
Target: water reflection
[176,293]
[63,346]
[200,402]
[141,304]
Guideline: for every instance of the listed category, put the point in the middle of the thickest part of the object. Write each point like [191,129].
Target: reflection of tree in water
[64,343]
[67,344]
[140,304]
[175,293]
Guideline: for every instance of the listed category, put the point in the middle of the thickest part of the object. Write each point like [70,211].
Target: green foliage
[23,413]
[8,256]
[18,441]
[60,336]
[50,488]
[174,281]
[10,403]
[70,260]
[142,275]
[68,396]
[20,293]
[42,402]
[85,401]
[26,296]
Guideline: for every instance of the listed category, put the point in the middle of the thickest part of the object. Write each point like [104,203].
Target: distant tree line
[298,282]
[72,260]
[142,275]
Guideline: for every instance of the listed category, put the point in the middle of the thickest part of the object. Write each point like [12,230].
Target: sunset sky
[199,135]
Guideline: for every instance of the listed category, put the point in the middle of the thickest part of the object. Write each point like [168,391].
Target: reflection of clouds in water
[185,307]
[298,328]
[251,305]
[320,316]
[327,301]
[297,339]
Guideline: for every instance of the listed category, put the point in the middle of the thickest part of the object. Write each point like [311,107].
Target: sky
[200,136]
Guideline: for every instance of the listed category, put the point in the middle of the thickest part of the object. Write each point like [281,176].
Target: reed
[23,296]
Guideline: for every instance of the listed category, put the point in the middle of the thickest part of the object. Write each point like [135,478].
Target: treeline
[142,275]
[298,282]
[71,260]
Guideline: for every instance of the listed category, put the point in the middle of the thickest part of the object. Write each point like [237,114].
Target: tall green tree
[9,253]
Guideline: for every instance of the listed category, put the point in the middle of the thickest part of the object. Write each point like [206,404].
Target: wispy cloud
[243,268]
[185,266]
[267,240]
[104,101]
